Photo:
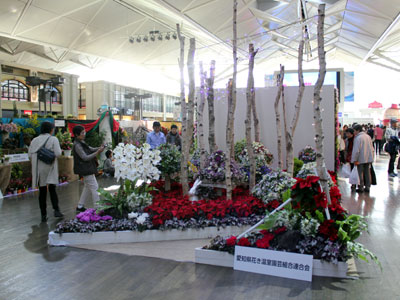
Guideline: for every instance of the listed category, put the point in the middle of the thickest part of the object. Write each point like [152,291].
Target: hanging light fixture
[145,38]
[174,36]
[131,39]
[138,39]
[160,37]
[167,36]
[152,37]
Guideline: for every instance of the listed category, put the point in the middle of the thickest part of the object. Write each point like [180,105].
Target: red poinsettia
[280,230]
[328,229]
[265,240]
[231,241]
[305,183]
[336,207]
[321,200]
[244,242]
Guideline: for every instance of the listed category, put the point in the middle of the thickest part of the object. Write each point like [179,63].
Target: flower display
[215,169]
[308,154]
[90,215]
[133,163]
[273,185]
[10,127]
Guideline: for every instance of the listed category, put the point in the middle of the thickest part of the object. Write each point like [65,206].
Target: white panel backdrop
[265,98]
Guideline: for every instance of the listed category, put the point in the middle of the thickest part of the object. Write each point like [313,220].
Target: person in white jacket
[45,176]
[362,157]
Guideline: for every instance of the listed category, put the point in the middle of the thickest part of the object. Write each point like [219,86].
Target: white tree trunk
[184,159]
[230,137]
[200,112]
[190,119]
[319,134]
[285,125]
[210,101]
[278,116]
[290,132]
[250,94]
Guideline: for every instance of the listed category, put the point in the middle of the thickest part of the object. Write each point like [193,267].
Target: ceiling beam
[59,17]
[188,6]
[382,56]
[21,16]
[229,20]
[382,37]
[199,6]
[373,9]
[360,33]
[367,15]
[382,65]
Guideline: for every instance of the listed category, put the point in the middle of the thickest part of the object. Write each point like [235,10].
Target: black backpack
[45,155]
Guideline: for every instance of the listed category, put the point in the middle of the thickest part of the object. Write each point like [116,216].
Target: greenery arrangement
[95,139]
[170,162]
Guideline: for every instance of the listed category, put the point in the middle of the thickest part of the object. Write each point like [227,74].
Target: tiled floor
[31,270]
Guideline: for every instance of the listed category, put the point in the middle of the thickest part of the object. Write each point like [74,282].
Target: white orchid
[132,215]
[132,162]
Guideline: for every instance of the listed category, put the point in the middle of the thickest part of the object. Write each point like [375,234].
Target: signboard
[59,123]
[28,112]
[18,157]
[274,263]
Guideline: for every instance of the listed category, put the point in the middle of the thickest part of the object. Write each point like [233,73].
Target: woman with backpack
[45,176]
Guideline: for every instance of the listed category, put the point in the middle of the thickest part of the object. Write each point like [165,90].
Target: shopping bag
[373,176]
[346,170]
[354,179]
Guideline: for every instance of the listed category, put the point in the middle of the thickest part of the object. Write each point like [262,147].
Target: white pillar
[164,100]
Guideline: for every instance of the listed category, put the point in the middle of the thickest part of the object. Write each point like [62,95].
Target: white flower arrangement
[309,227]
[273,185]
[140,218]
[133,163]
[310,169]
[287,219]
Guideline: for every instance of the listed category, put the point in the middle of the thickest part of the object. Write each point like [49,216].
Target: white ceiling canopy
[58,34]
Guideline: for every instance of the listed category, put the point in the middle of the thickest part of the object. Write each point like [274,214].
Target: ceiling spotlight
[138,39]
[160,37]
[131,40]
[167,36]
[145,38]
[152,38]
[174,36]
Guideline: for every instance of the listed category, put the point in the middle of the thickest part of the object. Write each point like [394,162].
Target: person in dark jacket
[108,168]
[173,137]
[85,166]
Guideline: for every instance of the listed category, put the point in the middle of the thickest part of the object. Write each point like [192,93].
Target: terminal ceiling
[58,34]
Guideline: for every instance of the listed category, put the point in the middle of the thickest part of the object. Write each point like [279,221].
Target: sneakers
[58,214]
[353,187]
[44,219]
[366,190]
[80,209]
[392,174]
[360,190]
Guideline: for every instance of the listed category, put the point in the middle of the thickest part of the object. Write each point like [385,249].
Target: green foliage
[34,122]
[29,132]
[351,228]
[170,159]
[239,147]
[129,197]
[95,139]
[16,171]
[359,251]
[298,164]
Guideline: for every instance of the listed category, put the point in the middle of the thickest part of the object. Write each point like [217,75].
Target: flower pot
[67,152]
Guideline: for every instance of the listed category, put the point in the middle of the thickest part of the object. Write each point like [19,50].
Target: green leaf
[320,216]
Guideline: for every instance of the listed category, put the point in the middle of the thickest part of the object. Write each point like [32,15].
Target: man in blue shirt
[156,137]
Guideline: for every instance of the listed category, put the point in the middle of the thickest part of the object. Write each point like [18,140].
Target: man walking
[362,156]
[378,134]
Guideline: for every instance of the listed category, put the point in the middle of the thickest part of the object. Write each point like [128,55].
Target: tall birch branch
[319,135]
[230,136]
[250,95]
[200,112]
[184,159]
[211,115]
[278,116]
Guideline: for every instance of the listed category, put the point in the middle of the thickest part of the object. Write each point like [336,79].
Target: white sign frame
[274,263]
[14,158]
[59,123]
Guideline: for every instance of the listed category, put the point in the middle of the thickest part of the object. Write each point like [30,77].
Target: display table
[5,175]
[66,167]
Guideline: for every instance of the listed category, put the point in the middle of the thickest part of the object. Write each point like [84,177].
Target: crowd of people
[358,145]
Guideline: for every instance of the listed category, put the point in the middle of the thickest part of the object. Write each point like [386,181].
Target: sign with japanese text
[17,157]
[274,263]
[59,123]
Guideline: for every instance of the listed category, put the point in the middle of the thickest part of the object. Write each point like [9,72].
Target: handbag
[354,179]
[45,155]
[346,170]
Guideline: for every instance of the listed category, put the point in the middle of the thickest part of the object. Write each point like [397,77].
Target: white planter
[224,259]
[67,152]
[111,237]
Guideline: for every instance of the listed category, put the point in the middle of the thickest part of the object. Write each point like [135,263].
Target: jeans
[365,175]
[391,162]
[378,146]
[90,188]
[43,197]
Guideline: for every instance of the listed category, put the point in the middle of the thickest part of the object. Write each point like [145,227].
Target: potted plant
[65,142]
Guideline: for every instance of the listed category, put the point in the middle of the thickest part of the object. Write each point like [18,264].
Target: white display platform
[111,237]
[224,259]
